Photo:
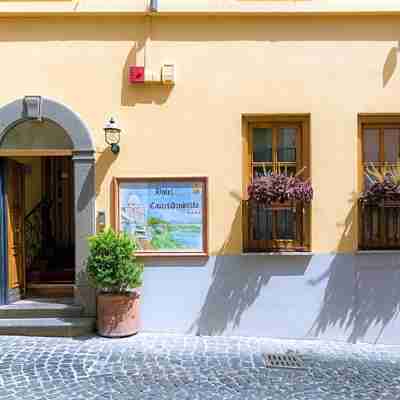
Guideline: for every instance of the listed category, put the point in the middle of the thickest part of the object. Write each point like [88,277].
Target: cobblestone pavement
[181,367]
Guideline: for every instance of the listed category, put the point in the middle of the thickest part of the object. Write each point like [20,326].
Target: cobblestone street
[181,367]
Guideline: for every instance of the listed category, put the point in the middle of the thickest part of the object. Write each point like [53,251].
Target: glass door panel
[261,170]
[289,170]
[285,224]
[287,144]
[370,152]
[371,145]
[262,144]
[391,143]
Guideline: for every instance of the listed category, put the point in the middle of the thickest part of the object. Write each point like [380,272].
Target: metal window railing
[274,228]
[379,226]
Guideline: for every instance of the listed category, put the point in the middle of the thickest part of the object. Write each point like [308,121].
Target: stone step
[60,327]
[41,308]
[50,290]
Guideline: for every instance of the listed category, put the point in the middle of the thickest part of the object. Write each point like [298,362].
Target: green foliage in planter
[112,265]
[384,184]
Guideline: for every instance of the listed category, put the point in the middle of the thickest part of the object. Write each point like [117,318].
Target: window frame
[381,127]
[303,150]
[381,122]
[275,164]
[371,121]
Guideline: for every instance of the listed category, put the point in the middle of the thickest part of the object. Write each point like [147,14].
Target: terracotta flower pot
[118,314]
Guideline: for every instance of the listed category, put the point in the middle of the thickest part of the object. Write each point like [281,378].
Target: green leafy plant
[112,265]
[384,184]
[386,172]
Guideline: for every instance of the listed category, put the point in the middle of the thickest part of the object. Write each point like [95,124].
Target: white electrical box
[150,76]
[168,74]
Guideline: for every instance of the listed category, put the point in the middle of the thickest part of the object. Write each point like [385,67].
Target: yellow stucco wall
[330,67]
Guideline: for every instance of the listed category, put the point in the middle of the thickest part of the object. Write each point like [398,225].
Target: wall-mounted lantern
[112,134]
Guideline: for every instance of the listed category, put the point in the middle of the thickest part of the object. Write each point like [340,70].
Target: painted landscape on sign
[164,216]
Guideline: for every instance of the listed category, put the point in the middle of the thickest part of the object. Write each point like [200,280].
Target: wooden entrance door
[15,225]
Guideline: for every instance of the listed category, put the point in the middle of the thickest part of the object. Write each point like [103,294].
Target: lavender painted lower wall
[346,297]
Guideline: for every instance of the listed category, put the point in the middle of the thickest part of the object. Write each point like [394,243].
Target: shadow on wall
[132,94]
[237,282]
[236,285]
[390,65]
[87,190]
[361,297]
[103,164]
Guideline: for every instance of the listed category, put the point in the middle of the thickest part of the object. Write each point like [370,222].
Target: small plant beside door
[115,272]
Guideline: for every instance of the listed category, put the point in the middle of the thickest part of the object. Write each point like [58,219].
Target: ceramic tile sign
[166,216]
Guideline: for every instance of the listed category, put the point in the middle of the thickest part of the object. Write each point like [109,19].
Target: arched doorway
[38,128]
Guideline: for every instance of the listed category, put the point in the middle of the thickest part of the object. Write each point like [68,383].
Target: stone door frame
[83,158]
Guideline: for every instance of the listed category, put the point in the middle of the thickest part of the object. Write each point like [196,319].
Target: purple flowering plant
[384,185]
[279,188]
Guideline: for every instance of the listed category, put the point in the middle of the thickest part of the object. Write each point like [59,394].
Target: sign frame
[116,206]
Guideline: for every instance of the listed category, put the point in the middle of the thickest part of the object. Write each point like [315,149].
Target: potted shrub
[113,269]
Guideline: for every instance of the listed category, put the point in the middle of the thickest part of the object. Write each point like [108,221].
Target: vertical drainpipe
[153,5]
[153,8]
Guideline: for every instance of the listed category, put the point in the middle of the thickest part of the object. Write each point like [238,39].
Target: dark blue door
[3,237]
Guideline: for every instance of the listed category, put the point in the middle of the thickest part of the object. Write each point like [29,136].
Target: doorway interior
[39,127]
[39,198]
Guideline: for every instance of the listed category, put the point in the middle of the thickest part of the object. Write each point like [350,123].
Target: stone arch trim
[55,111]
[84,182]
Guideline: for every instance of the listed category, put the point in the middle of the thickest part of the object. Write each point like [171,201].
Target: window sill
[366,252]
[281,253]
